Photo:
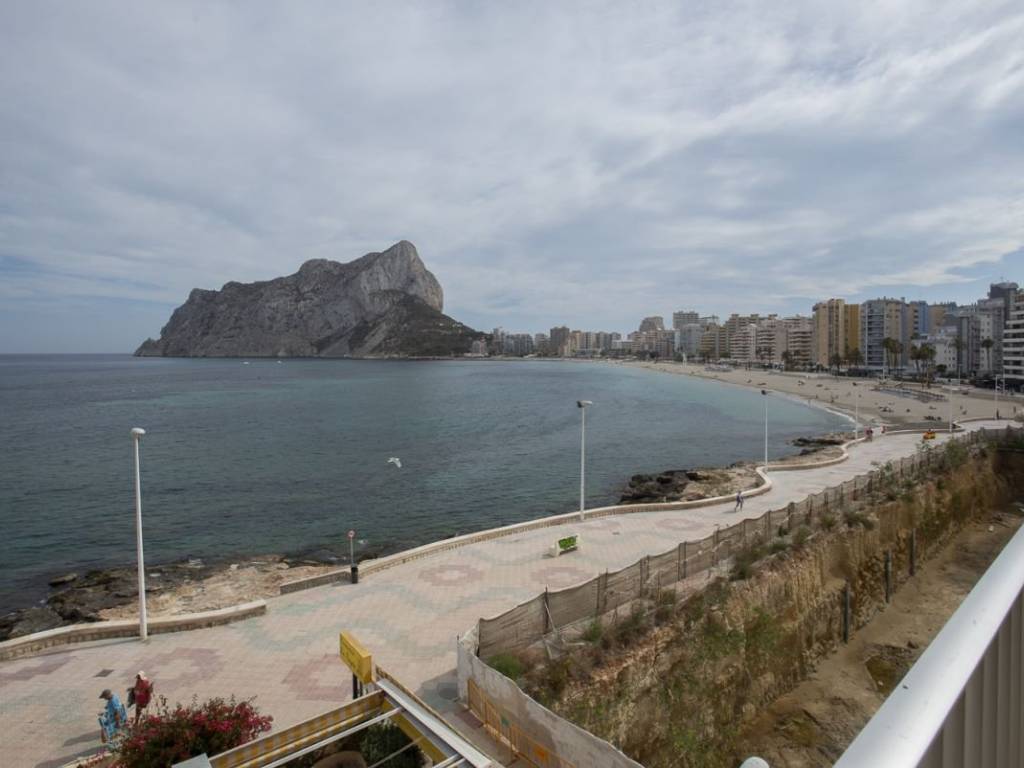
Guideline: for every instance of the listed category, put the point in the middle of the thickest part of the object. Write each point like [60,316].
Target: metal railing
[962,703]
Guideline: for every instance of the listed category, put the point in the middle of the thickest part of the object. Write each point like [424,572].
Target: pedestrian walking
[113,718]
[739,501]
[140,694]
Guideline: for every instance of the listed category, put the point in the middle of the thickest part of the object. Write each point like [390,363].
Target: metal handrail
[962,702]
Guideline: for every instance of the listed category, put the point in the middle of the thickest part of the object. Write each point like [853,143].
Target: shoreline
[845,396]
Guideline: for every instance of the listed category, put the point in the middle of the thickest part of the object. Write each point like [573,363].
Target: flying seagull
[396,461]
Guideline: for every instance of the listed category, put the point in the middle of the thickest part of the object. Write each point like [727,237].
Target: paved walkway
[408,616]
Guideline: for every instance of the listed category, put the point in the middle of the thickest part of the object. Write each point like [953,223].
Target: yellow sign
[357,658]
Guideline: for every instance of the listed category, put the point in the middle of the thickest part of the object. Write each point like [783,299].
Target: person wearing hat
[114,717]
[141,693]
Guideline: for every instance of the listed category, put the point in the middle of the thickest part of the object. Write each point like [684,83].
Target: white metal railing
[962,703]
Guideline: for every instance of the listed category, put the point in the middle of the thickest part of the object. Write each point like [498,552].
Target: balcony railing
[962,703]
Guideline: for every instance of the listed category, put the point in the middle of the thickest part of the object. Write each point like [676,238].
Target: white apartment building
[1013,341]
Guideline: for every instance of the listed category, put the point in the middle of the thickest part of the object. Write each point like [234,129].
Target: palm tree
[854,357]
[987,344]
[889,348]
[787,356]
[835,361]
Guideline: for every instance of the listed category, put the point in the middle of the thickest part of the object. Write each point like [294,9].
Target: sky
[577,163]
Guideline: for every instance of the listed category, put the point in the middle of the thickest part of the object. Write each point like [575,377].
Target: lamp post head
[137,432]
[584,403]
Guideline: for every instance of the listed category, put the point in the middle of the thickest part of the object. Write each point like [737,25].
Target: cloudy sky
[577,163]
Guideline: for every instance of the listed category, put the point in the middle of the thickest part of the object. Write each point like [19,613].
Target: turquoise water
[268,457]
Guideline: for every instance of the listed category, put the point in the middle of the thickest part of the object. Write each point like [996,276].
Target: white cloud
[589,163]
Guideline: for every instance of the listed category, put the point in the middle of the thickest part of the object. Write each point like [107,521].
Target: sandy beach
[889,402]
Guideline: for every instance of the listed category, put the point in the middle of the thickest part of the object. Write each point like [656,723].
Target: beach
[859,396]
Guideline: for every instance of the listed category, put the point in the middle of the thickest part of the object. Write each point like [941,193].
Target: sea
[249,457]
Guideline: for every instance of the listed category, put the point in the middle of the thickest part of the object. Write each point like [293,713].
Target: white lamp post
[764,392]
[582,405]
[856,415]
[950,409]
[143,629]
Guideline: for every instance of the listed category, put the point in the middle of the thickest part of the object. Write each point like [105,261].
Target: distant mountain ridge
[382,304]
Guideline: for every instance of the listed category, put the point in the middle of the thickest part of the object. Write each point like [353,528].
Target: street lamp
[137,434]
[950,386]
[856,415]
[764,392]
[582,405]
[998,376]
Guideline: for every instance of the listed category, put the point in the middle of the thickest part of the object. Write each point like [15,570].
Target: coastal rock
[29,621]
[383,304]
[60,581]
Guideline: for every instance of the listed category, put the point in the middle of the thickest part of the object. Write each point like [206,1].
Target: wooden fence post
[685,561]
[913,551]
[846,612]
[888,575]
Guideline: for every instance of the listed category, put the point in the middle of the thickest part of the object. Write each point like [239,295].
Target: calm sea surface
[268,457]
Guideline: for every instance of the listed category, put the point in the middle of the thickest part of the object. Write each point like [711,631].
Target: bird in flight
[396,461]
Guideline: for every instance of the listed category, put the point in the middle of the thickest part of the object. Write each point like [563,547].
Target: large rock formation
[381,304]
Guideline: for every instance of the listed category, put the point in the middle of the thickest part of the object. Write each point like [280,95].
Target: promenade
[408,616]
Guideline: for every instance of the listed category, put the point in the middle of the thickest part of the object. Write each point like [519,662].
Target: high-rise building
[793,341]
[743,344]
[882,319]
[558,343]
[835,332]
[829,326]
[1013,340]
[689,338]
[937,314]
[683,318]
[919,317]
[714,344]
[851,335]
[653,323]
[541,343]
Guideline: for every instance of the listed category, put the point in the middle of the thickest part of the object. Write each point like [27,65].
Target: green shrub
[744,559]
[853,519]
[507,664]
[801,536]
[828,521]
[593,632]
[779,545]
[632,627]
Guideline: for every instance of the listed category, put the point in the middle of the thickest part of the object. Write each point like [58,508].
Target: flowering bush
[169,736]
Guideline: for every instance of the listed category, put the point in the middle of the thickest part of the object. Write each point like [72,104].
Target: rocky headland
[384,304]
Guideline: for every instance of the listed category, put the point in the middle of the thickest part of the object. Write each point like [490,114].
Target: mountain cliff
[381,304]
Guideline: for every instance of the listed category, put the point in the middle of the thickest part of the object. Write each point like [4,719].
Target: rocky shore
[188,586]
[703,483]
